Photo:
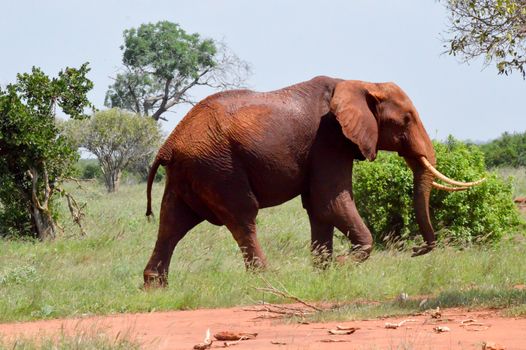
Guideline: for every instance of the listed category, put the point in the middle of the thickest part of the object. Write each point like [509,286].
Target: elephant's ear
[353,104]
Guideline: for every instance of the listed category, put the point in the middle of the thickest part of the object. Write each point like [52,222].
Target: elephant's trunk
[422,184]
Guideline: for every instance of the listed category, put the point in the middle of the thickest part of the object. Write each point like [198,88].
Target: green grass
[518,176]
[81,340]
[102,272]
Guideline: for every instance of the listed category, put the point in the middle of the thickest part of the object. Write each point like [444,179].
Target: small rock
[342,331]
[390,325]
[403,297]
[441,329]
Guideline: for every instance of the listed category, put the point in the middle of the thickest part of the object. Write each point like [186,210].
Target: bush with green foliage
[118,139]
[34,155]
[507,150]
[88,169]
[383,191]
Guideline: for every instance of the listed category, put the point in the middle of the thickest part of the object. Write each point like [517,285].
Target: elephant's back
[266,136]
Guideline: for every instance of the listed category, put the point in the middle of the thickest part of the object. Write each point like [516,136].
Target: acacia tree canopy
[162,62]
[492,29]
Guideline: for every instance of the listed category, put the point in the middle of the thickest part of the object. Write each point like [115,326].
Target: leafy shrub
[383,191]
[34,155]
[118,139]
[88,169]
[507,150]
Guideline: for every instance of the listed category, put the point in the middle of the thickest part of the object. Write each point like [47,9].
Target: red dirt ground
[184,329]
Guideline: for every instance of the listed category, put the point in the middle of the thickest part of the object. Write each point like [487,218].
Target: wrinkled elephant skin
[238,151]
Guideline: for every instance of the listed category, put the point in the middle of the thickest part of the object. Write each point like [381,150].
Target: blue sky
[285,41]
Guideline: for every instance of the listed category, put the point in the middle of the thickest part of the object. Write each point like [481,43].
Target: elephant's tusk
[447,179]
[448,188]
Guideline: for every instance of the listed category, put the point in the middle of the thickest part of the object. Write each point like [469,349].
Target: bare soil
[184,329]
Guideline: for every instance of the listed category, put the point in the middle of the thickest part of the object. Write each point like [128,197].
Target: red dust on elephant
[238,151]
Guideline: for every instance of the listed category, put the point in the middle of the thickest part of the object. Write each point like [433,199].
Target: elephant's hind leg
[237,207]
[176,220]
[246,238]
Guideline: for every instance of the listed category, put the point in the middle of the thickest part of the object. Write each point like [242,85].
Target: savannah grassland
[101,273]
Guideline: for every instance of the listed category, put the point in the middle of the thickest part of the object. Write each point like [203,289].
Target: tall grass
[518,176]
[101,273]
[91,339]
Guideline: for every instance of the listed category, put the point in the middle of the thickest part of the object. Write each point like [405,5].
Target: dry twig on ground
[285,294]
[390,325]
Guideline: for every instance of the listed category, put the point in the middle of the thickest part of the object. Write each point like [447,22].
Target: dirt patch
[454,329]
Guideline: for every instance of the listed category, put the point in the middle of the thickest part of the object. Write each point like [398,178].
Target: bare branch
[33,175]
[273,290]
[75,210]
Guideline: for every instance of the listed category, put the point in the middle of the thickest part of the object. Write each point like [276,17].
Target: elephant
[238,151]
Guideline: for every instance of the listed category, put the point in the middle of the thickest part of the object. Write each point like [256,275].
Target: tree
[117,138]
[35,156]
[162,63]
[507,150]
[492,29]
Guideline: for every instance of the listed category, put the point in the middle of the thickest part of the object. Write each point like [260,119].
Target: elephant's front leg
[322,234]
[348,220]
[330,202]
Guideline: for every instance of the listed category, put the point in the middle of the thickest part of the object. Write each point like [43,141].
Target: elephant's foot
[154,279]
[358,254]
[423,249]
[321,259]
[256,264]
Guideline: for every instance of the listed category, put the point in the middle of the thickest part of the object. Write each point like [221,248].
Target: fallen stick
[469,320]
[285,294]
[390,325]
[342,331]
[277,342]
[207,342]
[281,310]
[267,317]
[474,324]
[234,336]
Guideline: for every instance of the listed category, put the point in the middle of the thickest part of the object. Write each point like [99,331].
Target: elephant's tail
[151,177]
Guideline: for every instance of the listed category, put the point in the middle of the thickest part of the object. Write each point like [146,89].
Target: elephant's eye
[407,118]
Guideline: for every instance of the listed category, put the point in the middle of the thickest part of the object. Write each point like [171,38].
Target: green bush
[35,157]
[507,150]
[88,169]
[383,191]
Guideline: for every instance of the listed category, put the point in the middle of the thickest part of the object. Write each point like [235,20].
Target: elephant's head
[380,116]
